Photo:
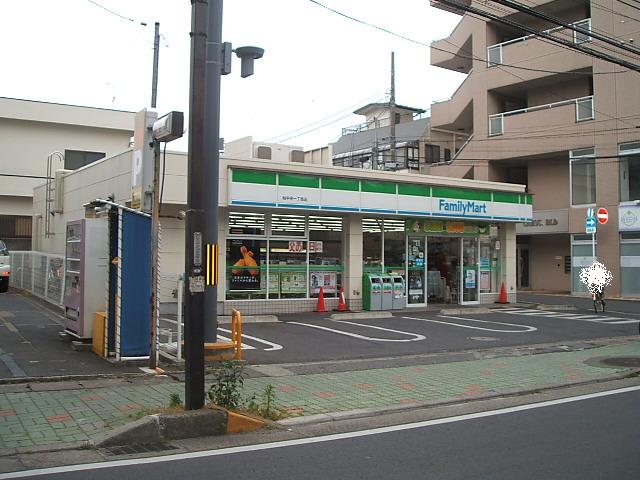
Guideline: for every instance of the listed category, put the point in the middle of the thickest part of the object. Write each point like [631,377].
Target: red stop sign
[603,215]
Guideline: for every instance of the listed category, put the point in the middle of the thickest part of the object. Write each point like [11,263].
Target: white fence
[42,274]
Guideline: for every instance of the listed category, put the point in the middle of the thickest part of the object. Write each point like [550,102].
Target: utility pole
[194,221]
[392,113]
[156,54]
[214,67]
[155,213]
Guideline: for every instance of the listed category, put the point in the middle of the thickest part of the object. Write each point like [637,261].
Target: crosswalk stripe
[624,321]
[571,316]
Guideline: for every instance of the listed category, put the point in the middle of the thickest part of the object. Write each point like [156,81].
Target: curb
[374,411]
[66,378]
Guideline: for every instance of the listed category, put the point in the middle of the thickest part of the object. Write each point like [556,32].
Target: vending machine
[86,263]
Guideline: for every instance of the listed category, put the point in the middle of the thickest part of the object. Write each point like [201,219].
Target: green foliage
[175,401]
[266,406]
[228,381]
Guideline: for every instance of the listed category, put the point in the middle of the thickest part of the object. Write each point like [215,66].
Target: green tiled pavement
[32,419]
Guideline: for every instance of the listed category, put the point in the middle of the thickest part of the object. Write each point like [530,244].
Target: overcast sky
[318,66]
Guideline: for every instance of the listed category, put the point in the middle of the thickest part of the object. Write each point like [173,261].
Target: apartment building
[564,123]
[36,140]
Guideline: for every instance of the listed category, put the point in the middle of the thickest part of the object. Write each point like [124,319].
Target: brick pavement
[37,418]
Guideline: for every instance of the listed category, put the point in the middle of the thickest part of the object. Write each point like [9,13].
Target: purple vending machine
[85,274]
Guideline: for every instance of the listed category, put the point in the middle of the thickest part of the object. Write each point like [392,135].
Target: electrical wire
[115,13]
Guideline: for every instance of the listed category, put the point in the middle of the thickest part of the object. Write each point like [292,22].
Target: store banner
[244,258]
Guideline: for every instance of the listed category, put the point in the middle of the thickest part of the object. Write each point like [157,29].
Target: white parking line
[416,336]
[527,328]
[244,345]
[274,346]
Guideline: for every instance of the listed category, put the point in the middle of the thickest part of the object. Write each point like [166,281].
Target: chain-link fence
[42,274]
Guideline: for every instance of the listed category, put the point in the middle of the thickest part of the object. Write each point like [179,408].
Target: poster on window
[470,279]
[485,280]
[244,260]
[327,280]
[293,282]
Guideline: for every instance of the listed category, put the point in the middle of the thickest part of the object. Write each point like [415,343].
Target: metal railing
[42,274]
[494,52]
[584,111]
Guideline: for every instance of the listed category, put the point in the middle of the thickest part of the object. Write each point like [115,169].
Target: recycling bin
[399,300]
[371,292]
[387,292]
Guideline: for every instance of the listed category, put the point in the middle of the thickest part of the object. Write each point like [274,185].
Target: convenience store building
[286,229]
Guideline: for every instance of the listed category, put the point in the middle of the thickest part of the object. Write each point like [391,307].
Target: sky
[317,69]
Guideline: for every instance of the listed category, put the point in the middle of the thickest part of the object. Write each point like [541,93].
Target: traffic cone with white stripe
[342,304]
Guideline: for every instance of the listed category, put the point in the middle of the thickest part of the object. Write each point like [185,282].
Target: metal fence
[42,274]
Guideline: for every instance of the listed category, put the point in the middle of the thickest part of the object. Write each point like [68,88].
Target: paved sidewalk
[46,414]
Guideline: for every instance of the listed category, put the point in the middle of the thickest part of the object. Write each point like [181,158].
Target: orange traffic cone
[503,295]
[320,306]
[342,304]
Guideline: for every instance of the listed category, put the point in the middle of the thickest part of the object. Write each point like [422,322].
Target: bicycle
[598,299]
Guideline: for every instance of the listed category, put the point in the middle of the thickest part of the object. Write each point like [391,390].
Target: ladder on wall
[50,191]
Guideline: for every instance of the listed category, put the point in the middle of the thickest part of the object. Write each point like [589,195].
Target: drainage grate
[622,361]
[136,449]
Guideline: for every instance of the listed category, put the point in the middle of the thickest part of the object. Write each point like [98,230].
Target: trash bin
[399,300]
[387,292]
[371,292]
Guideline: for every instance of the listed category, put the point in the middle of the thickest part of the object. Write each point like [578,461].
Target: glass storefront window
[288,263]
[325,256]
[284,225]
[489,266]
[246,223]
[246,269]
[394,247]
[630,264]
[581,257]
[372,245]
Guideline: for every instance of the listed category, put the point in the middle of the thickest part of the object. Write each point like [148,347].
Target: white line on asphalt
[527,328]
[244,345]
[415,336]
[274,346]
[312,440]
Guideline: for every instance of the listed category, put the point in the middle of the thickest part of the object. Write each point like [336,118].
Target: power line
[580,48]
[382,29]
[115,13]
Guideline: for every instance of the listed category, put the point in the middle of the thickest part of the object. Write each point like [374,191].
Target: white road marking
[416,336]
[595,318]
[274,346]
[244,346]
[527,328]
[312,440]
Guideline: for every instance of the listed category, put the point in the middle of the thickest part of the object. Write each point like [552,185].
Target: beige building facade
[561,122]
[38,138]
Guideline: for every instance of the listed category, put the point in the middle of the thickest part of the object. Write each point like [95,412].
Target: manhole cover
[622,361]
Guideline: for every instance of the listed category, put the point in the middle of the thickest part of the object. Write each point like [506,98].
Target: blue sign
[590,222]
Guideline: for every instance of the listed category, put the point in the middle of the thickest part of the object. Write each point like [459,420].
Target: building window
[16,231]
[494,55]
[413,158]
[75,159]
[432,153]
[372,245]
[394,247]
[284,225]
[630,172]
[447,154]
[584,109]
[582,165]
[246,271]
[325,256]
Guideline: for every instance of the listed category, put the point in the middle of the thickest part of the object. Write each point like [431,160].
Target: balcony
[539,57]
[582,108]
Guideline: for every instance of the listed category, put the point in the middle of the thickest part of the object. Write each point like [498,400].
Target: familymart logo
[463,207]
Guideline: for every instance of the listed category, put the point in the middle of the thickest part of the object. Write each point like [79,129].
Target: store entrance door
[469,273]
[443,271]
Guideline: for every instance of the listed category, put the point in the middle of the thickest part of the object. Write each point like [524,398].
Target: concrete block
[198,423]
[145,430]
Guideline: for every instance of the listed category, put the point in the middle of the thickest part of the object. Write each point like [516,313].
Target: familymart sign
[259,188]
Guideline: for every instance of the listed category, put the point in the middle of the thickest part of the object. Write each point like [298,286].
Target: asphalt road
[593,437]
[309,338]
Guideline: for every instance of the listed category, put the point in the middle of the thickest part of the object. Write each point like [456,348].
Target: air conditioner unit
[58,190]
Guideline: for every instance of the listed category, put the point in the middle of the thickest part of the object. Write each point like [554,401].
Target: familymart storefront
[291,229]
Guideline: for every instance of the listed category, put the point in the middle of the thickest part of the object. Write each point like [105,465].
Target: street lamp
[210,58]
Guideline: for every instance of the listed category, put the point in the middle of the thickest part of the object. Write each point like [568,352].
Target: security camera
[247,55]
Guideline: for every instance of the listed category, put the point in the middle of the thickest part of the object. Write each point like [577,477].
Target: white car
[5,267]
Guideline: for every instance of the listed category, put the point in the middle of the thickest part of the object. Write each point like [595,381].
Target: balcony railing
[584,111]
[494,52]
